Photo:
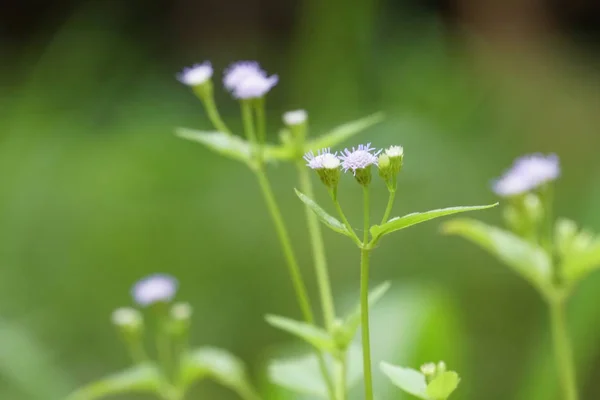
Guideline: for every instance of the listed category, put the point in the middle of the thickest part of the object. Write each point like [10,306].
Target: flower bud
[363,175]
[179,318]
[327,166]
[128,320]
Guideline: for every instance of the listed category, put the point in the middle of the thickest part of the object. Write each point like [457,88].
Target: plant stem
[248,120]
[212,112]
[261,124]
[340,382]
[364,299]
[318,250]
[294,270]
[388,208]
[340,212]
[562,350]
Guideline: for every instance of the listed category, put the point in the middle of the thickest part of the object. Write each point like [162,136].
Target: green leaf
[398,223]
[578,264]
[442,386]
[314,335]
[527,259]
[300,374]
[234,146]
[142,378]
[323,216]
[407,379]
[352,322]
[220,365]
[343,132]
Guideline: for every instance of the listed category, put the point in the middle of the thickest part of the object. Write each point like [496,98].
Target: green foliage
[395,224]
[442,386]
[525,258]
[439,387]
[323,216]
[352,321]
[314,335]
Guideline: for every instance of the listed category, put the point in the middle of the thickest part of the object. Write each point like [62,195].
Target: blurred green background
[96,191]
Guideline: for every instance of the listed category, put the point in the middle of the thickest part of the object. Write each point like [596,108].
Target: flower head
[359,158]
[394,151]
[526,174]
[196,74]
[181,311]
[126,317]
[153,289]
[246,80]
[297,117]
[323,159]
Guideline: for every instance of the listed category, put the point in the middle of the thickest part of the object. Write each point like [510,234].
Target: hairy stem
[562,350]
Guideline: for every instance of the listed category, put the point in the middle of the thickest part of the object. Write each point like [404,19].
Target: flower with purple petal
[154,288]
[359,158]
[239,71]
[246,80]
[196,75]
[527,173]
[323,159]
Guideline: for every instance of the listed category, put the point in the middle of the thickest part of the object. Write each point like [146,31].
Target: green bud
[565,233]
[429,370]
[363,175]
[340,335]
[295,121]
[441,368]
[534,210]
[329,176]
[179,318]
[385,167]
[128,321]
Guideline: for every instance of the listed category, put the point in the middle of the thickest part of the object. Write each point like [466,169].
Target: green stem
[340,212]
[208,100]
[562,350]
[364,299]
[318,250]
[388,208]
[248,120]
[294,270]
[261,124]
[340,382]
[137,351]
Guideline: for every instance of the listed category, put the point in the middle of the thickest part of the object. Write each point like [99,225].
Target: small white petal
[394,151]
[323,159]
[526,174]
[239,71]
[196,75]
[126,316]
[359,158]
[295,117]
[153,289]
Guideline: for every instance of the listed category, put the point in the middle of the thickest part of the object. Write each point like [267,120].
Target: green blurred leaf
[300,375]
[442,386]
[578,264]
[323,216]
[527,259]
[234,146]
[314,335]
[343,132]
[398,223]
[142,378]
[220,365]
[352,322]
[407,379]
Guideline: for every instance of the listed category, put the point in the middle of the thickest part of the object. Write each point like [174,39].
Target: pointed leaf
[314,335]
[142,378]
[343,132]
[527,259]
[234,146]
[398,223]
[442,386]
[578,264]
[352,322]
[409,380]
[323,216]
[220,365]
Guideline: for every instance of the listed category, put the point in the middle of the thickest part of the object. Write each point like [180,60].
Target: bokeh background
[96,191]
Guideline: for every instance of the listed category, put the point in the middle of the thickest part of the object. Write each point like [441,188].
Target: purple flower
[324,159]
[246,80]
[154,288]
[527,173]
[359,158]
[196,75]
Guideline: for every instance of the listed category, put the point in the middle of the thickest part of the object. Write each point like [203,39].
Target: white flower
[297,117]
[196,75]
[181,311]
[126,316]
[526,174]
[255,86]
[359,158]
[394,151]
[239,71]
[323,159]
[246,80]
[154,288]
[428,368]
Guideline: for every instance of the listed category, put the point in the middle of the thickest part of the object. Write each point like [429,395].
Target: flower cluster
[243,79]
[526,174]
[358,160]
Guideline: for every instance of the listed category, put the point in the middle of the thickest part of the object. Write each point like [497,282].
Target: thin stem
[562,350]
[137,351]
[294,270]
[340,381]
[248,120]
[388,208]
[318,250]
[212,112]
[261,124]
[364,300]
[340,212]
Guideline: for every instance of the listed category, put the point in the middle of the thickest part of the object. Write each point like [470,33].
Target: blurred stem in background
[562,349]
[364,298]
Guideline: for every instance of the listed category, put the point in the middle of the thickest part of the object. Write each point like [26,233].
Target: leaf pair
[204,362]
[331,342]
[240,149]
[415,383]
